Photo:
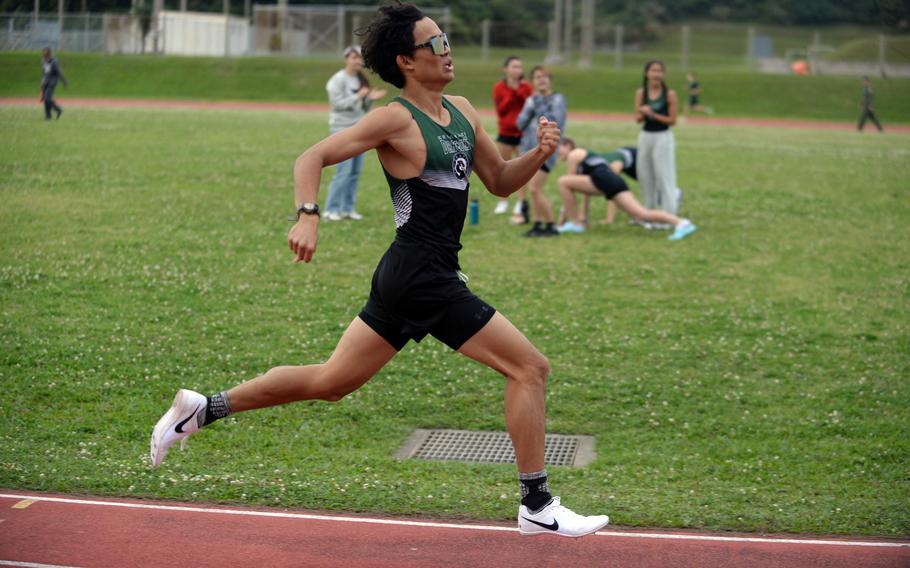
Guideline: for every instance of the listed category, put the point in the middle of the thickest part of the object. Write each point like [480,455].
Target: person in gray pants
[655,108]
[52,74]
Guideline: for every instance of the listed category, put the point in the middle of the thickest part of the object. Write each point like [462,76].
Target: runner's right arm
[378,128]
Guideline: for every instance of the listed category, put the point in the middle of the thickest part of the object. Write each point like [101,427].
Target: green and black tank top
[659,106]
[430,208]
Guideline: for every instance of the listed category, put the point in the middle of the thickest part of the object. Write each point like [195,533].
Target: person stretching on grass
[596,174]
[428,144]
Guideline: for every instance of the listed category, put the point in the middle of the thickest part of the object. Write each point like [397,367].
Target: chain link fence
[305,31]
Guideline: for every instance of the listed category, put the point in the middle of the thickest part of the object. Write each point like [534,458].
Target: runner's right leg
[360,354]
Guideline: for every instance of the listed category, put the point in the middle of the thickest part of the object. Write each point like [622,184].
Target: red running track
[321,107]
[55,530]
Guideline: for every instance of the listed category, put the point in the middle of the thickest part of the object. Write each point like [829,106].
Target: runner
[596,174]
[695,91]
[428,145]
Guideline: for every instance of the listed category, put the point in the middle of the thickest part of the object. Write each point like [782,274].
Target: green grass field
[752,377]
[731,92]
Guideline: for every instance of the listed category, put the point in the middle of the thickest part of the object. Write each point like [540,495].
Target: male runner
[52,74]
[428,145]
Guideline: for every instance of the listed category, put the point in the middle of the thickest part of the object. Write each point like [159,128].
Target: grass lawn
[732,92]
[752,377]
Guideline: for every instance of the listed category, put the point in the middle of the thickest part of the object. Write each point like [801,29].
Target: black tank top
[430,208]
[659,106]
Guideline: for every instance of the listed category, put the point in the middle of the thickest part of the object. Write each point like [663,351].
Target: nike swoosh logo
[180,424]
[552,526]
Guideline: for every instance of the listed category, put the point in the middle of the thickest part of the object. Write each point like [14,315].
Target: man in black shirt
[52,74]
[868,107]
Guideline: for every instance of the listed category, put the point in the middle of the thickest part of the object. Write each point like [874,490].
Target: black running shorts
[411,298]
[607,181]
[509,140]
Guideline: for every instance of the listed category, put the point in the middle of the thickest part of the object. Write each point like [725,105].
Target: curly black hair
[390,34]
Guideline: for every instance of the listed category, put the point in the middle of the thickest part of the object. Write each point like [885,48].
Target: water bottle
[474,212]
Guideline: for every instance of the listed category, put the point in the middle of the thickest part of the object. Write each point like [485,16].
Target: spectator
[351,97]
[509,97]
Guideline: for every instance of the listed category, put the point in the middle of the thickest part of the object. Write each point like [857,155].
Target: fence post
[554,29]
[684,59]
[587,33]
[750,39]
[567,31]
[881,54]
[340,39]
[61,6]
[617,46]
[485,40]
[355,25]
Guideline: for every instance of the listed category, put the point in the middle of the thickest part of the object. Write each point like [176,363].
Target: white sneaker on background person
[556,519]
[352,215]
[501,207]
[332,216]
[183,418]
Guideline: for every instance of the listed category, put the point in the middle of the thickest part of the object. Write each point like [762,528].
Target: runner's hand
[303,236]
[547,135]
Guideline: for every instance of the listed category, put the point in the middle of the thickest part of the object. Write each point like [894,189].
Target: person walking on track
[52,75]
[428,144]
[868,107]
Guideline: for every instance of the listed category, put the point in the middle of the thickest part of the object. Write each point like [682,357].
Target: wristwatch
[307,208]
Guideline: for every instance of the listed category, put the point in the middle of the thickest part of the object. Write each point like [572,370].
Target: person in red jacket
[509,96]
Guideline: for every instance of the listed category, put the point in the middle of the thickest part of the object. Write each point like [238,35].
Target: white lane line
[31,564]
[396,522]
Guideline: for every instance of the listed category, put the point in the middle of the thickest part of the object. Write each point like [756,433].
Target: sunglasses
[438,44]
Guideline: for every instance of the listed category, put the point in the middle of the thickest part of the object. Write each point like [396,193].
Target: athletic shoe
[549,232]
[501,207]
[181,420]
[535,231]
[556,519]
[352,215]
[332,216]
[682,231]
[570,227]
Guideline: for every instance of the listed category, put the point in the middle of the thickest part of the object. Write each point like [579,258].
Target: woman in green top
[655,108]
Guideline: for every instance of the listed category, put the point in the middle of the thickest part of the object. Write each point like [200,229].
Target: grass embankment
[752,377]
[602,89]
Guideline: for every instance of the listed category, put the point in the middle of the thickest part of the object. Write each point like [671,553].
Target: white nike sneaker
[556,519]
[178,422]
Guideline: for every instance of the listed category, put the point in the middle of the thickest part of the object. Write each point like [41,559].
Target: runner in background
[509,97]
[695,91]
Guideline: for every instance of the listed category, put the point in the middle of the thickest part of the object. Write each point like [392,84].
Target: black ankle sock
[549,226]
[535,493]
[216,406]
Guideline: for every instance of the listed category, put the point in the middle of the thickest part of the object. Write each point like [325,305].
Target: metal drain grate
[492,447]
